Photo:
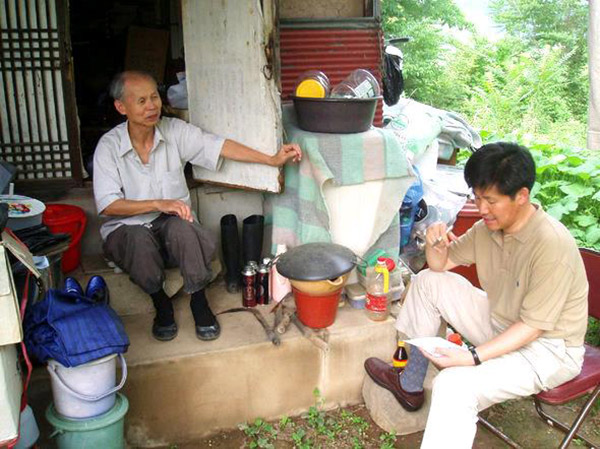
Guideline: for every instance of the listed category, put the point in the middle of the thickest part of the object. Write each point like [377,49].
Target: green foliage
[568,186]
[592,336]
[426,23]
[317,428]
[544,22]
[534,79]
[524,92]
[261,434]
[388,440]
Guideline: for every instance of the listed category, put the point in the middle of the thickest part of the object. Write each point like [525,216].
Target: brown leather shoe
[387,376]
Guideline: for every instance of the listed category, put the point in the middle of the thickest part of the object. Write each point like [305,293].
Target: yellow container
[312,84]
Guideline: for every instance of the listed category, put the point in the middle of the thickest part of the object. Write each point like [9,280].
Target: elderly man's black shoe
[386,376]
[164,333]
[208,333]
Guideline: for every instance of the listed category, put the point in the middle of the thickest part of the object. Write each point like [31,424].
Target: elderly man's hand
[175,207]
[450,357]
[289,151]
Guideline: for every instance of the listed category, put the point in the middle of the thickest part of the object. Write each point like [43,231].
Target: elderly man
[139,180]
[527,326]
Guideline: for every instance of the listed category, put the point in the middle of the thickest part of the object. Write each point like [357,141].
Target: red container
[316,311]
[67,219]
[466,218]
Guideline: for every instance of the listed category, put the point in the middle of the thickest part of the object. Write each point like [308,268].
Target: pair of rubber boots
[251,247]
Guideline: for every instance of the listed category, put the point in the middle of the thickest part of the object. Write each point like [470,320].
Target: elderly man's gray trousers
[144,251]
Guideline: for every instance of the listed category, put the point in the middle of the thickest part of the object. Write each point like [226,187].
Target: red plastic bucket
[316,311]
[67,219]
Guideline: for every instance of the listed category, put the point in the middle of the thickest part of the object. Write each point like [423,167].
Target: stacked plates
[23,211]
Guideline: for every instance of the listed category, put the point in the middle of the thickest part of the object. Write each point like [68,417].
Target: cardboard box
[11,388]
[11,330]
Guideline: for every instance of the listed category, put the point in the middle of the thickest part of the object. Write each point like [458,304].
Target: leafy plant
[300,439]
[261,433]
[568,186]
[388,440]
[284,422]
[593,334]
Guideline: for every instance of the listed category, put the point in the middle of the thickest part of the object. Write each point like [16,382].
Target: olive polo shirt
[535,275]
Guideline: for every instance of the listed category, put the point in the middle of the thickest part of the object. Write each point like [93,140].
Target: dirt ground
[353,428]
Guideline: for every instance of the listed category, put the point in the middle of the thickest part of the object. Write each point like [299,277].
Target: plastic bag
[442,205]
[393,80]
[177,93]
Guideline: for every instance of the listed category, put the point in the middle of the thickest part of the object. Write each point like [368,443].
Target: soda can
[262,290]
[248,286]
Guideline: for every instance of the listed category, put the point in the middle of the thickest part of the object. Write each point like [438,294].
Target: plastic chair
[587,381]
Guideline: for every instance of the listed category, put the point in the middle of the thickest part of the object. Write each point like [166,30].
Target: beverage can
[248,286]
[262,282]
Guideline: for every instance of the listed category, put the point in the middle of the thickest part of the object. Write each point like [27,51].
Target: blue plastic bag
[409,208]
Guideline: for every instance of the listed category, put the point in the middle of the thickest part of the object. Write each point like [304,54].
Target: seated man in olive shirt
[139,180]
[528,323]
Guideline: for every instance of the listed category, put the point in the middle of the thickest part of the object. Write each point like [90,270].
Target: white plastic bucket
[86,390]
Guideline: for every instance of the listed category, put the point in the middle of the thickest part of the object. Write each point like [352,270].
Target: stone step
[126,297]
[186,389]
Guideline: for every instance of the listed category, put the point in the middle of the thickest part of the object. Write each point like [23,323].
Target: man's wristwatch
[475,355]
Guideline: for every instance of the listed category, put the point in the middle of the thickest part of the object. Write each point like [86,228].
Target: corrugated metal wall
[334,49]
[38,132]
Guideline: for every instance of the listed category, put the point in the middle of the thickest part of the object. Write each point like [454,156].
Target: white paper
[430,344]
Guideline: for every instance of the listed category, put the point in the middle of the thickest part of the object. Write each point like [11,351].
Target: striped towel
[300,214]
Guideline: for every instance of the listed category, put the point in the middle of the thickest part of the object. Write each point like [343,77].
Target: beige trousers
[460,393]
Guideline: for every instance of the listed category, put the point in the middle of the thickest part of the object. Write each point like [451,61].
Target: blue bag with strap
[73,329]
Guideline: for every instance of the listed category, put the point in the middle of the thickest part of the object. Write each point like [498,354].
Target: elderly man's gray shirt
[120,174]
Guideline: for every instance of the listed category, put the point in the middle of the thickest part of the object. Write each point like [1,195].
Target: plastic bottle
[279,286]
[400,357]
[312,84]
[359,84]
[378,291]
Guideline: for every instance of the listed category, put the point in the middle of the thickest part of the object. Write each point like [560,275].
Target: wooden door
[231,83]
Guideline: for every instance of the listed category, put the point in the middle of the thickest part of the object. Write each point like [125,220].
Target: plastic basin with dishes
[335,115]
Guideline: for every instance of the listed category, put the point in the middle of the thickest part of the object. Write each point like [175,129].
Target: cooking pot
[323,287]
[316,262]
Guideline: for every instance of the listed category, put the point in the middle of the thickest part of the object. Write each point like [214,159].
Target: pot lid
[316,261]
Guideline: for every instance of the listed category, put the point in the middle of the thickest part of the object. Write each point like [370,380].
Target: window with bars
[38,129]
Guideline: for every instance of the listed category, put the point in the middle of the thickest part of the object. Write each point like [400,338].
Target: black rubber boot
[252,238]
[230,244]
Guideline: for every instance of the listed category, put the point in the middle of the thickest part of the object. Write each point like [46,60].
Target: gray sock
[413,375]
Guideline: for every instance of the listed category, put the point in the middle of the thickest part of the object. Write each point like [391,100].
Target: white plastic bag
[177,93]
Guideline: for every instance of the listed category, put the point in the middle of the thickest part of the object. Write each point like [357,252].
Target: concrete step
[126,297]
[186,389]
